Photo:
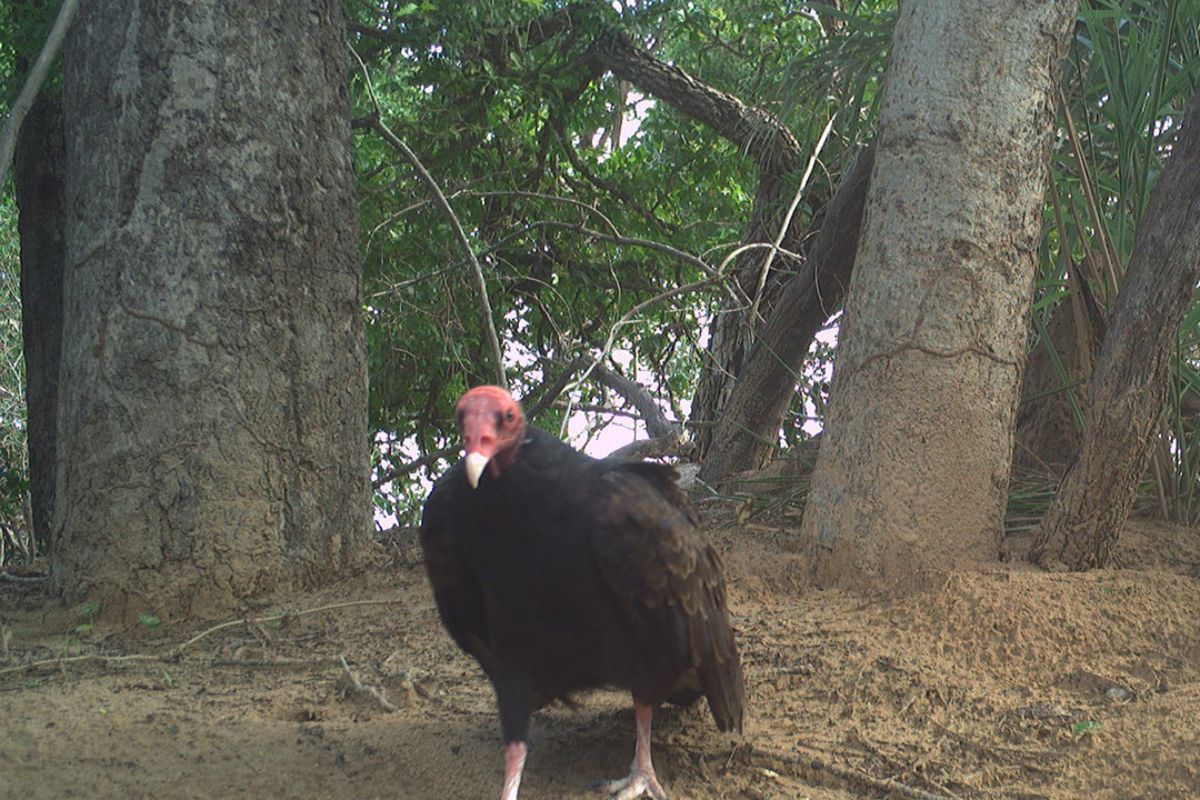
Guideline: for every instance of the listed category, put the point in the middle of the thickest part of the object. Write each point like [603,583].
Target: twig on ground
[1004,754]
[270,662]
[370,691]
[174,653]
[274,618]
[898,764]
[848,774]
[55,662]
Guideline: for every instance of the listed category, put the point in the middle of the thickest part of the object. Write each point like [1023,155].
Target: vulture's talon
[638,784]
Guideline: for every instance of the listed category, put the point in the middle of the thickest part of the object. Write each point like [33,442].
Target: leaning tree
[1128,390]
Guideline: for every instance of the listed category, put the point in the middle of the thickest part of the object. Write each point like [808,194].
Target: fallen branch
[274,618]
[58,662]
[270,662]
[176,652]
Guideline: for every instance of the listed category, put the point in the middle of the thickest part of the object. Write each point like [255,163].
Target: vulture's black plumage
[559,572]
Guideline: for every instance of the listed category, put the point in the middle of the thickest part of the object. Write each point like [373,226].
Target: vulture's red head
[491,423]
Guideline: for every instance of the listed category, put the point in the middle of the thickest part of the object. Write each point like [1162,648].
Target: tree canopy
[604,212]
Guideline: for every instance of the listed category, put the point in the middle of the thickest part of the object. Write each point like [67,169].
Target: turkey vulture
[559,572]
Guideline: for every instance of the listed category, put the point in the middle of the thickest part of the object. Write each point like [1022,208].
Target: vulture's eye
[508,415]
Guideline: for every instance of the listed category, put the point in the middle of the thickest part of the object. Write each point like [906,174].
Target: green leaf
[89,609]
[149,620]
[1080,728]
[83,629]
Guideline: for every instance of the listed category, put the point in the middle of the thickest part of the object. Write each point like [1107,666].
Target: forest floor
[1005,683]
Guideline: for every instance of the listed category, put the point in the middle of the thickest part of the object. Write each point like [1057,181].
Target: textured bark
[745,434]
[1129,385]
[755,132]
[212,418]
[39,189]
[913,470]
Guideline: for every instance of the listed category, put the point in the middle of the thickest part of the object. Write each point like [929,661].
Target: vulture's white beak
[475,463]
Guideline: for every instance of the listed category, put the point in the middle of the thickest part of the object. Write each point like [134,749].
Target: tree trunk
[1129,386]
[212,418]
[745,434]
[1049,422]
[733,333]
[913,471]
[38,178]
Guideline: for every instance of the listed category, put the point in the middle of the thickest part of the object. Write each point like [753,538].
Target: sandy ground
[1006,683]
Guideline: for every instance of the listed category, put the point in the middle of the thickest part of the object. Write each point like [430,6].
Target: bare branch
[542,196]
[610,187]
[756,132]
[672,444]
[628,316]
[33,84]
[656,422]
[716,275]
[744,436]
[550,391]
[413,466]
[786,225]
[382,129]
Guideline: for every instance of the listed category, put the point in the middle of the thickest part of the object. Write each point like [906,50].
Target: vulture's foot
[640,783]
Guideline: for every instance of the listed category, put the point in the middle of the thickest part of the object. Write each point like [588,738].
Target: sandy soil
[1006,683]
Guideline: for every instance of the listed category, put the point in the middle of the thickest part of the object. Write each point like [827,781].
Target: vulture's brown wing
[667,579]
[455,589]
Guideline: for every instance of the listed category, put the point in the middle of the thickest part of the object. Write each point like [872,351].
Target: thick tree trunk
[1128,391]
[39,183]
[744,435]
[913,470]
[212,418]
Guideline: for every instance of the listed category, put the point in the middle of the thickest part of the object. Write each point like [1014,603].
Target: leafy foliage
[559,172]
[14,465]
[1132,67]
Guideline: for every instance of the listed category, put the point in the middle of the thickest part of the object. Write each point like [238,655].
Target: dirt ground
[1006,683]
